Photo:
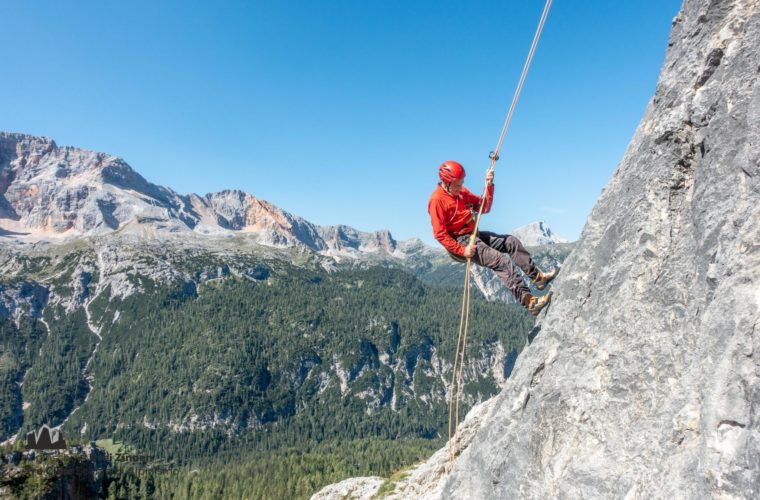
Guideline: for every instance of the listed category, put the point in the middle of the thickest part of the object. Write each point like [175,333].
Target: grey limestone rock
[362,488]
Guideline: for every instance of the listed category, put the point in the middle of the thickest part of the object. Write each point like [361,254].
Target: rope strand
[465,304]
[464,347]
[524,74]
[464,317]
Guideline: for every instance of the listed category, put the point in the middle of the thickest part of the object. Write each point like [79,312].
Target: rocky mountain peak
[54,192]
[345,237]
[538,233]
[29,156]
[26,144]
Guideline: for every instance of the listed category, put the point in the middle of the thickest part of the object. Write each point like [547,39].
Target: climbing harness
[464,318]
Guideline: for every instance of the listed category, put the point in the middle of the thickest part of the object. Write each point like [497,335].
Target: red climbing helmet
[451,171]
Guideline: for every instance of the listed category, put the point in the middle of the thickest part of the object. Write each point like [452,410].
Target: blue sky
[341,111]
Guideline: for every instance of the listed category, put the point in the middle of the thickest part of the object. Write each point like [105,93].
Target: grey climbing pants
[501,253]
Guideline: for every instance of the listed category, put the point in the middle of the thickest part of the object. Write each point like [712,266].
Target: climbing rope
[464,318]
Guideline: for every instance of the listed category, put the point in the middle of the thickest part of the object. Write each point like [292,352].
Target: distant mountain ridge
[53,193]
[537,234]
[57,193]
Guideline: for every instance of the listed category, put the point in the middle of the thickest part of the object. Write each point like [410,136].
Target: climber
[451,212]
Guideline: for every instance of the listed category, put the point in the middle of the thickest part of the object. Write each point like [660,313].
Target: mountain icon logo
[45,439]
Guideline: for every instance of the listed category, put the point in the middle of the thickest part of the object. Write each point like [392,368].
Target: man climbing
[451,212]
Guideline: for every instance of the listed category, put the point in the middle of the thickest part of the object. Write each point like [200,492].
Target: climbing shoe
[543,279]
[535,304]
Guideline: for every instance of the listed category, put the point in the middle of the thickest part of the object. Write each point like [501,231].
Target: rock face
[362,488]
[643,378]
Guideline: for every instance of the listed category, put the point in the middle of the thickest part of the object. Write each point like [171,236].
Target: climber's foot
[543,279]
[536,304]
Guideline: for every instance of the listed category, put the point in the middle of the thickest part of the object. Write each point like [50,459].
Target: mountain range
[59,195]
[52,193]
[221,322]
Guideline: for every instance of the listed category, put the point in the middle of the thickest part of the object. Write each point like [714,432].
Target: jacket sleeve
[438,219]
[474,200]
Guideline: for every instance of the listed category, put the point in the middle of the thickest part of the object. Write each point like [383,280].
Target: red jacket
[452,216]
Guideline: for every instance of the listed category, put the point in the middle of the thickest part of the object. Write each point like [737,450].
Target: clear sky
[341,111]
